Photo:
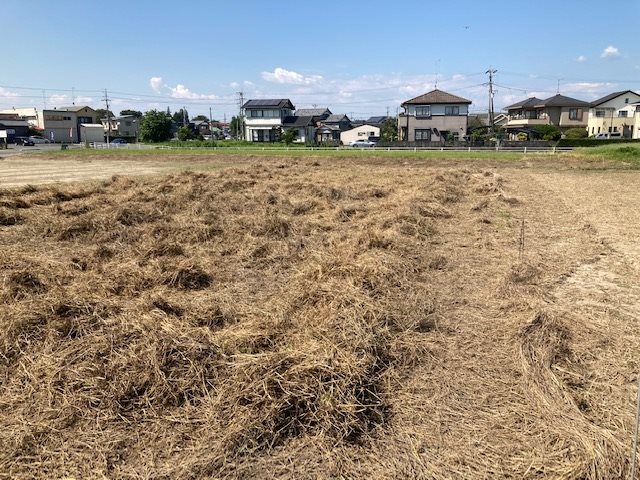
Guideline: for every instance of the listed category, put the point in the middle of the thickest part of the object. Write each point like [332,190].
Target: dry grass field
[322,318]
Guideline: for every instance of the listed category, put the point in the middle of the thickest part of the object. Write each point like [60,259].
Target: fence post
[525,149]
[554,149]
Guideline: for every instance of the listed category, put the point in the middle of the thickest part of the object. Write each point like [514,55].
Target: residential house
[200,127]
[263,118]
[305,127]
[319,113]
[616,112]
[434,116]
[559,110]
[331,127]
[13,126]
[377,120]
[124,126]
[60,124]
[480,121]
[362,132]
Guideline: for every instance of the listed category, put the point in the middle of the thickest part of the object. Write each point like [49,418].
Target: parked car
[362,144]
[118,141]
[607,136]
[25,141]
[38,139]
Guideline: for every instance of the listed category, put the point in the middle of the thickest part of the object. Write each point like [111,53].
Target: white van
[607,136]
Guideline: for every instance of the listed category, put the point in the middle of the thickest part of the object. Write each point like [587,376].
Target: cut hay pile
[290,320]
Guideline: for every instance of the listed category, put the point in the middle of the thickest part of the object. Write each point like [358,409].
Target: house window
[423,135]
[423,111]
[615,129]
[626,100]
[600,113]
[593,130]
[622,113]
[575,114]
[452,110]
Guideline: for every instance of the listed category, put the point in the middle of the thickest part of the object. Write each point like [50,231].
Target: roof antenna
[558,89]
[435,86]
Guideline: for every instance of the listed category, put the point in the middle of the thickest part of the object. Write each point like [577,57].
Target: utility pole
[106,102]
[73,96]
[44,99]
[491,114]
[210,124]
[240,117]
[184,116]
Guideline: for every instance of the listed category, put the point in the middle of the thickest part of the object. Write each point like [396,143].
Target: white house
[363,132]
[616,112]
[263,118]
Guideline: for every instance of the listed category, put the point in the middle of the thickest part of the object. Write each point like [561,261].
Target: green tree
[201,117]
[547,132]
[102,113]
[181,117]
[389,130]
[184,134]
[155,126]
[135,113]
[576,133]
[288,136]
[235,126]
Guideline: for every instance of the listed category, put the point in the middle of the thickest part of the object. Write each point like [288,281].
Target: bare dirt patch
[316,319]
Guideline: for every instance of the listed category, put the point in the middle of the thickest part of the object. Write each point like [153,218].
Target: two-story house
[616,112]
[263,118]
[61,124]
[331,127]
[434,116]
[126,126]
[559,110]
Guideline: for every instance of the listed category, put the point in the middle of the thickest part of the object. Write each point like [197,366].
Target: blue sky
[360,58]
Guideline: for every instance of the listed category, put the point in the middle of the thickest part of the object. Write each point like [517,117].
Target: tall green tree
[135,113]
[201,117]
[389,130]
[181,117]
[102,113]
[235,126]
[155,126]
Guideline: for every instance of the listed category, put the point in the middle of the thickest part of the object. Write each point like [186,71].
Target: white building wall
[362,132]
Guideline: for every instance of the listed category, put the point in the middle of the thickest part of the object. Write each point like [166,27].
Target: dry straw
[288,319]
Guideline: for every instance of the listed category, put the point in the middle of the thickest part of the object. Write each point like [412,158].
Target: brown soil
[321,318]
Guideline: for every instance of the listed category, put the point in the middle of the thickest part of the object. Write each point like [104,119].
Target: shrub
[576,133]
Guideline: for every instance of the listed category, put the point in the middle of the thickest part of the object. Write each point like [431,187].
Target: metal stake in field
[521,242]
[634,453]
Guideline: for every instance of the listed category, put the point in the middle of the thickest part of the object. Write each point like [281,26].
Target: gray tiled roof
[529,102]
[297,121]
[562,101]
[313,112]
[611,96]
[335,118]
[434,97]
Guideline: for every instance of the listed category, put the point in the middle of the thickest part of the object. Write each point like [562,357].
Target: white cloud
[180,91]
[156,84]
[610,52]
[581,58]
[234,84]
[281,75]
[4,93]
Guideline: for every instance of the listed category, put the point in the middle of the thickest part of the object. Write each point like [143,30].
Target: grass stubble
[295,319]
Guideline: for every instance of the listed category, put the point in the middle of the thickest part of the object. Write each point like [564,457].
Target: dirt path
[19,170]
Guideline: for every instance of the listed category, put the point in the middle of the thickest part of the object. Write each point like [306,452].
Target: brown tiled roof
[436,96]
